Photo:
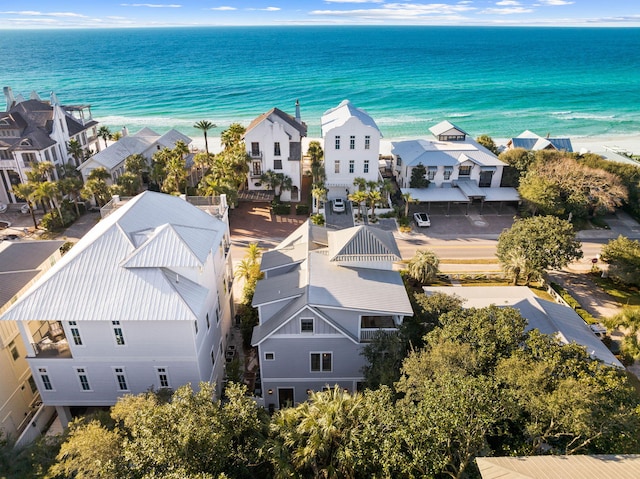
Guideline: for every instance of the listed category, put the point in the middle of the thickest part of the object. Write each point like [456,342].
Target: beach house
[546,316]
[459,169]
[33,131]
[143,300]
[351,148]
[274,143]
[21,414]
[530,141]
[325,294]
[144,142]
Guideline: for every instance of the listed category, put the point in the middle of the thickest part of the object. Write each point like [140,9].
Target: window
[367,142]
[208,321]
[352,142]
[269,356]
[84,380]
[117,330]
[121,379]
[336,166]
[277,164]
[255,148]
[447,173]
[306,325]
[464,170]
[256,168]
[75,333]
[321,362]
[338,142]
[213,357]
[44,377]
[276,148]
[352,165]
[195,324]
[366,166]
[14,350]
[431,173]
[32,385]
[163,377]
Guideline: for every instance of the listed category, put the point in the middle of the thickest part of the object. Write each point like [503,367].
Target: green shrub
[66,247]
[404,221]
[51,220]
[318,219]
[598,222]
[302,209]
[281,208]
[574,304]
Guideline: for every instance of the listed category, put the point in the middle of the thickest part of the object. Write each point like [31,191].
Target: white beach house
[144,300]
[274,143]
[351,148]
[33,131]
[325,294]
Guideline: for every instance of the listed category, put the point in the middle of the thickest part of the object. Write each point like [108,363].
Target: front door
[285,397]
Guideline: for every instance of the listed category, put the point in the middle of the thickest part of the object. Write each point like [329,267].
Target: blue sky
[107,14]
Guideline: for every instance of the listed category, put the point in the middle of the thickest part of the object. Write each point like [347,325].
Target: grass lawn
[624,295]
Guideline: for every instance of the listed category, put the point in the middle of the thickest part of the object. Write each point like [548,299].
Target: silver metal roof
[338,116]
[93,281]
[546,316]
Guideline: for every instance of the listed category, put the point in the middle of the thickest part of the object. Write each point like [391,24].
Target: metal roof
[93,281]
[278,116]
[445,127]
[443,153]
[618,466]
[362,243]
[546,316]
[338,116]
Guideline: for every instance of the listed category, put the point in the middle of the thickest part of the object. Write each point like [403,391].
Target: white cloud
[44,14]
[506,11]
[149,5]
[222,9]
[403,11]
[552,3]
[508,3]
[268,9]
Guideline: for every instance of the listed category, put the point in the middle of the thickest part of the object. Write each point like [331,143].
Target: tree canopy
[535,244]
[623,256]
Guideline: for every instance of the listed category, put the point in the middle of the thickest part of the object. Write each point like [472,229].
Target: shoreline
[593,144]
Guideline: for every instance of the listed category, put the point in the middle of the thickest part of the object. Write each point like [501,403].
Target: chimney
[298,119]
[125,131]
[8,94]
[54,99]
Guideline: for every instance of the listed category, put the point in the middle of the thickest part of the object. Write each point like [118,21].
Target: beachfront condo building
[351,148]
[274,143]
[33,131]
[143,300]
[325,294]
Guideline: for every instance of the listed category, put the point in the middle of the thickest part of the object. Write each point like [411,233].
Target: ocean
[579,82]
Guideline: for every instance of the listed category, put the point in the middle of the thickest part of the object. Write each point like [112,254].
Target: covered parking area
[462,194]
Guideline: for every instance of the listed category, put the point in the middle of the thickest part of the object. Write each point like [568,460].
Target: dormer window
[26,142]
[451,137]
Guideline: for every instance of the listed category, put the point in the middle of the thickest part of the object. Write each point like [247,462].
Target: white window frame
[163,371]
[44,373]
[75,333]
[352,142]
[313,325]
[118,334]
[337,142]
[366,166]
[267,358]
[120,371]
[336,167]
[321,368]
[276,149]
[352,166]
[81,372]
[367,142]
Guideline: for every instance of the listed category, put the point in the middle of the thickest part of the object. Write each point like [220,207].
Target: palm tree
[232,135]
[25,191]
[105,134]
[41,171]
[361,198]
[136,164]
[319,193]
[423,267]
[373,196]
[205,126]
[360,182]
[75,150]
[71,186]
[49,190]
[407,199]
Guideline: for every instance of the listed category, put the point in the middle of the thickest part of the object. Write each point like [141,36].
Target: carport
[465,192]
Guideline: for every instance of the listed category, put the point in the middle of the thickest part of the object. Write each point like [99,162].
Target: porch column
[27,338]
[64,414]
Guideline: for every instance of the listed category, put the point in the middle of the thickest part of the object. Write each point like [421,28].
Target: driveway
[338,220]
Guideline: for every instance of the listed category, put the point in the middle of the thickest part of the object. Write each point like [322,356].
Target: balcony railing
[46,348]
[256,155]
[367,334]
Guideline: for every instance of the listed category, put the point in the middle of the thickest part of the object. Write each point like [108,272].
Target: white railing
[38,425]
[367,334]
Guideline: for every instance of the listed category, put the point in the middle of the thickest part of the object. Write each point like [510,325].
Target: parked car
[338,205]
[422,219]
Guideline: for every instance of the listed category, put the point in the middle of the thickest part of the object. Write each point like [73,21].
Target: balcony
[256,155]
[49,341]
[368,334]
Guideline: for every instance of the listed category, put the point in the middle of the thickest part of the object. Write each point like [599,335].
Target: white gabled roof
[443,153]
[446,127]
[339,115]
[126,267]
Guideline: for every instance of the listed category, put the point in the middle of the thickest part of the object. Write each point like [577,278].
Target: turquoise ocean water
[499,81]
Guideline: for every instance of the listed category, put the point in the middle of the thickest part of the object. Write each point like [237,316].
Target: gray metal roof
[278,116]
[92,282]
[363,243]
[546,316]
[443,153]
[446,127]
[607,466]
